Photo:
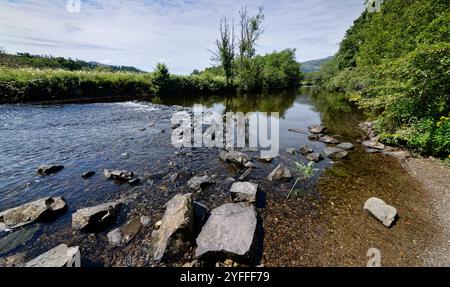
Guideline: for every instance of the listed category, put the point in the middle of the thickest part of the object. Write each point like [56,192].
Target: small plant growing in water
[306,171]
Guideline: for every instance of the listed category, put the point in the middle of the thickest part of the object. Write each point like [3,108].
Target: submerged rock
[197,183]
[88,174]
[60,256]
[316,157]
[305,150]
[291,150]
[41,209]
[96,217]
[176,228]
[279,173]
[126,232]
[328,140]
[17,238]
[234,157]
[334,152]
[315,137]
[134,181]
[345,146]
[246,174]
[244,191]
[49,169]
[229,232]
[386,214]
[316,129]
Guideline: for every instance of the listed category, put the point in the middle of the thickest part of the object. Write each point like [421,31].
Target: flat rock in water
[279,173]
[373,145]
[122,175]
[229,231]
[298,131]
[244,191]
[198,182]
[328,140]
[88,174]
[316,157]
[316,129]
[305,150]
[234,157]
[96,217]
[49,169]
[334,152]
[126,232]
[386,214]
[59,256]
[44,208]
[176,228]
[345,146]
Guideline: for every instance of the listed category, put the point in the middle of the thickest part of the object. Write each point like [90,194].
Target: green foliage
[306,171]
[396,65]
[25,60]
[277,70]
[33,85]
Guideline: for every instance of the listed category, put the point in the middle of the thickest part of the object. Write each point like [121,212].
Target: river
[136,136]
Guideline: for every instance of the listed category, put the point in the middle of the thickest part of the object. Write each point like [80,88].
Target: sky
[180,33]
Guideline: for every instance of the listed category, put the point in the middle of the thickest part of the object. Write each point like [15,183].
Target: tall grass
[34,85]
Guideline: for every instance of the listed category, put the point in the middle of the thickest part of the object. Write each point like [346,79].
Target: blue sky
[178,32]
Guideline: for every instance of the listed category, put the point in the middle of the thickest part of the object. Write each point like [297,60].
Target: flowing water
[136,136]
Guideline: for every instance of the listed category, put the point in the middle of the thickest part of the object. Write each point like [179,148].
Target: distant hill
[314,65]
[26,60]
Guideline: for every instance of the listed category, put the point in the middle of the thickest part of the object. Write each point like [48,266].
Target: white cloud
[142,32]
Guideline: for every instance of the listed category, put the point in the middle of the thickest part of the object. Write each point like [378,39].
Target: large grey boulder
[198,182]
[60,256]
[176,228]
[229,231]
[126,232]
[96,217]
[279,173]
[49,169]
[236,157]
[334,152]
[44,208]
[244,191]
[386,214]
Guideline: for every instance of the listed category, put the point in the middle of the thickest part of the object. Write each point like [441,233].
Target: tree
[251,32]
[161,77]
[225,49]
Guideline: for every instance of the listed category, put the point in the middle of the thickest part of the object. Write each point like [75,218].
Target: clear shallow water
[94,137]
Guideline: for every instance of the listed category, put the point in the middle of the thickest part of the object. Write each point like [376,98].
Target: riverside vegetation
[395,64]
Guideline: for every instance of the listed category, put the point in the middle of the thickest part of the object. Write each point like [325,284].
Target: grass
[34,85]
